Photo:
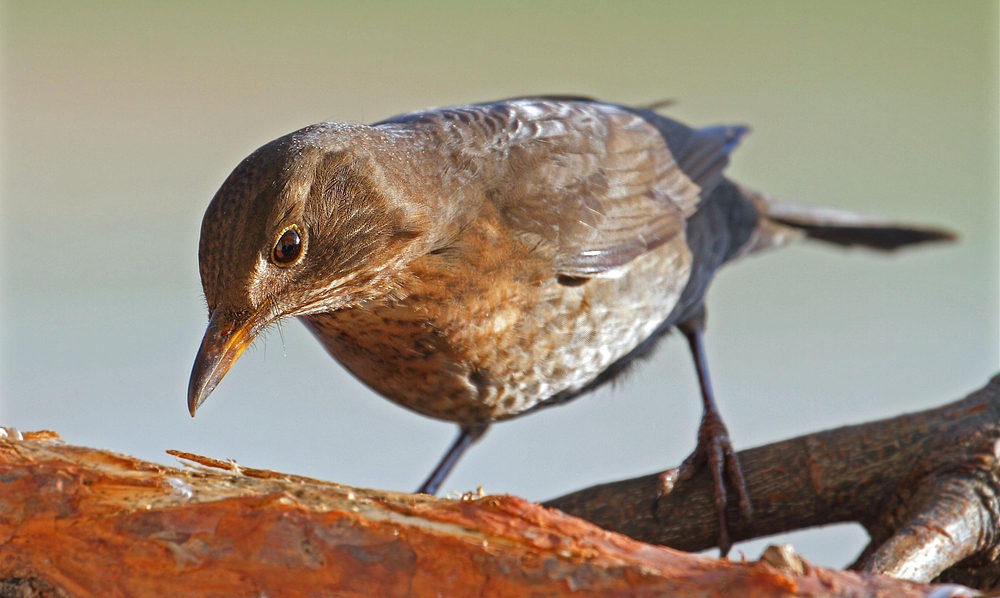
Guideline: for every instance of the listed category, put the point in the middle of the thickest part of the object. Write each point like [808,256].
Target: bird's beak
[225,340]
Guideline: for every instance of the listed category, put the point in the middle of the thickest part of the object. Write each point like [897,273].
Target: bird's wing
[594,185]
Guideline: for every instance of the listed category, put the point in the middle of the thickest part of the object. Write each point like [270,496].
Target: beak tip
[194,401]
[201,385]
[198,391]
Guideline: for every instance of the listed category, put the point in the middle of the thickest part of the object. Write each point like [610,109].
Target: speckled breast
[488,338]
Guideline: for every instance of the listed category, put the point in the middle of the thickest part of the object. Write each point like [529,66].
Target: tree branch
[925,486]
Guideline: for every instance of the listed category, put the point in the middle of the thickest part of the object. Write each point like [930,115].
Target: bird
[478,263]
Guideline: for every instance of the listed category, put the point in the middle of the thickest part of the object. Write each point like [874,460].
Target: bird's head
[307,223]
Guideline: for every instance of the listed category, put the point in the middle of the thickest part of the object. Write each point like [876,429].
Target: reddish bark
[84,522]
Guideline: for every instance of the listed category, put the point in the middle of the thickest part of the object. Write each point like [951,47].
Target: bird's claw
[715,450]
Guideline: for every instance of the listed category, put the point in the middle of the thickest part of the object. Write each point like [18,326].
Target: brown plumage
[475,263]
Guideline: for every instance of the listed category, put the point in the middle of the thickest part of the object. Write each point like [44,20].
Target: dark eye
[288,247]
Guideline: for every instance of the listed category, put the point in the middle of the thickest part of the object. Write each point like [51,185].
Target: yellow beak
[225,340]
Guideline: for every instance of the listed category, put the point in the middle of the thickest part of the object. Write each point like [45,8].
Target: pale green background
[121,120]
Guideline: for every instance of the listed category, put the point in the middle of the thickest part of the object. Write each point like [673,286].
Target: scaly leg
[467,436]
[714,447]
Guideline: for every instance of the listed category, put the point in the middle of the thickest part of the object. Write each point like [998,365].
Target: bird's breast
[484,331]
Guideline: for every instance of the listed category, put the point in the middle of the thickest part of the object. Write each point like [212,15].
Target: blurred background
[121,119]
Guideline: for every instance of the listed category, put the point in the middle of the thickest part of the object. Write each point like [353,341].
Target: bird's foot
[715,450]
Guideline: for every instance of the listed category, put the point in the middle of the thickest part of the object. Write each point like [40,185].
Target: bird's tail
[783,222]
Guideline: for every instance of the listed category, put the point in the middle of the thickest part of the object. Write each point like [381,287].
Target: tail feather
[782,222]
[848,228]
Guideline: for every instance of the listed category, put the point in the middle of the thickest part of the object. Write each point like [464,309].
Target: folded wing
[591,185]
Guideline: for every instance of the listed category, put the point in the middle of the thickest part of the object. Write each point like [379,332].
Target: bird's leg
[714,447]
[467,436]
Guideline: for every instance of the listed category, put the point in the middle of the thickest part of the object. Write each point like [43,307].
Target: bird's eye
[288,248]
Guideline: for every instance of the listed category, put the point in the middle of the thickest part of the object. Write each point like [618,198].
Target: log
[78,521]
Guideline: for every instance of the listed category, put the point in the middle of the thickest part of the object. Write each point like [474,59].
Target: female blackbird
[477,263]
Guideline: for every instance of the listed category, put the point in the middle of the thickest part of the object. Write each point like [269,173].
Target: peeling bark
[83,522]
